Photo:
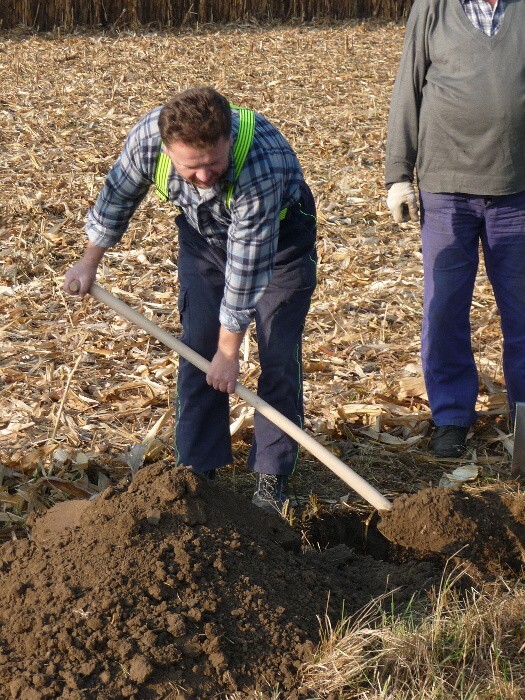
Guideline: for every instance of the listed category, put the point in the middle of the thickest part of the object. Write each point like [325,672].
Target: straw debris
[80,388]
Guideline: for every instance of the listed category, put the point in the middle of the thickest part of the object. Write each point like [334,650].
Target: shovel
[517,469]
[343,471]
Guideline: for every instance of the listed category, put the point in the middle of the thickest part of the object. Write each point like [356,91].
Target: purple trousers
[452,227]
[202,435]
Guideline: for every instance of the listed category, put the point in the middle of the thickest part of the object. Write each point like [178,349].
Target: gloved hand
[402,202]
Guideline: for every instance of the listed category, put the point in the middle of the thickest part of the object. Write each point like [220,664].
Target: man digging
[246,251]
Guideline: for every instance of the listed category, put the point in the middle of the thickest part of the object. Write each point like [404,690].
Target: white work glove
[402,202]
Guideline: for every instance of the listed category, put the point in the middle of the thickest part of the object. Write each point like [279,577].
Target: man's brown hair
[197,117]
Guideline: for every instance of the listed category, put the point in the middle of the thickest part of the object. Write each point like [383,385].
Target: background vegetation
[69,14]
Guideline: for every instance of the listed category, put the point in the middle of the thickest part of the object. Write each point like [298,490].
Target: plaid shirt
[248,231]
[483,15]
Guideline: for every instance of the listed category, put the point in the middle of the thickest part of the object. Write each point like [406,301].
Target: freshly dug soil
[174,587]
[484,531]
[158,586]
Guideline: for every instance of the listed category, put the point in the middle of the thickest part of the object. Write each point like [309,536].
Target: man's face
[203,167]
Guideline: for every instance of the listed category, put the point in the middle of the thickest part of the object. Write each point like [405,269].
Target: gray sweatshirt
[458,107]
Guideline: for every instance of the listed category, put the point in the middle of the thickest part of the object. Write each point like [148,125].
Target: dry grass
[465,647]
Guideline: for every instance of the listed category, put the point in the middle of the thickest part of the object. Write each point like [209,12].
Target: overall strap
[241,146]
[160,178]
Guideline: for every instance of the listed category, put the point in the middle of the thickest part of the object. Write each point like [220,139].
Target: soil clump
[484,530]
[173,586]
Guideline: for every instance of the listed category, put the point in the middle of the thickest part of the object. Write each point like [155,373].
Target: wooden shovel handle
[343,471]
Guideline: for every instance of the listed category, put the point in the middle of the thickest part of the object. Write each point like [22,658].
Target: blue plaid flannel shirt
[483,16]
[248,231]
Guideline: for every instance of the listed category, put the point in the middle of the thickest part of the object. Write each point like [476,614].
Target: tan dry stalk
[64,396]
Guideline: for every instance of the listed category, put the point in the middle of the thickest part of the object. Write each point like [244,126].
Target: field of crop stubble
[81,388]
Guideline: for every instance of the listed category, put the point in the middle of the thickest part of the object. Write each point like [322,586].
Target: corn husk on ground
[84,396]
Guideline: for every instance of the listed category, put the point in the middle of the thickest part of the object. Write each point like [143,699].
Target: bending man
[246,251]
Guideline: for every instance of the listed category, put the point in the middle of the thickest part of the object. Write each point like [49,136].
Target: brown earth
[170,586]
[484,531]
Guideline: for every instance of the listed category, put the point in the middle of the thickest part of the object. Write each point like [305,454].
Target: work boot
[449,441]
[208,475]
[271,492]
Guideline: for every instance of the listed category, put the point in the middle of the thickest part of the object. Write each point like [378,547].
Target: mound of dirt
[171,586]
[484,530]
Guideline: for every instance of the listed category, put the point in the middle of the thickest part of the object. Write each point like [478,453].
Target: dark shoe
[271,492]
[449,441]
[209,475]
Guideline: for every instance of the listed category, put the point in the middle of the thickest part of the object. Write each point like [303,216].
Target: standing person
[246,250]
[457,118]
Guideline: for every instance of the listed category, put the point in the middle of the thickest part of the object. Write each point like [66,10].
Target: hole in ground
[356,530]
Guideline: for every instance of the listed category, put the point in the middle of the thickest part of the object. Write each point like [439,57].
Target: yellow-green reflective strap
[162,170]
[241,146]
